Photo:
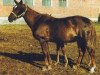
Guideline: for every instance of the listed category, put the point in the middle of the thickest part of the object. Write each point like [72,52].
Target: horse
[46,28]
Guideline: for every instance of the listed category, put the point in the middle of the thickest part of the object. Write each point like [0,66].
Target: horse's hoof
[66,64]
[56,63]
[74,67]
[92,70]
[44,68]
[89,64]
[49,67]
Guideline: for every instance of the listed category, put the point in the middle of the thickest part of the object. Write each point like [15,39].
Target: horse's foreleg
[57,60]
[47,57]
[80,57]
[65,56]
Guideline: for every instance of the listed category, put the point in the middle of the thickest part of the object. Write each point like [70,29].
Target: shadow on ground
[33,58]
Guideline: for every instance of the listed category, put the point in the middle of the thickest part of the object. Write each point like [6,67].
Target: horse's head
[18,11]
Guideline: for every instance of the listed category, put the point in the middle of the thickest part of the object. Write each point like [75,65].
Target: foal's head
[18,11]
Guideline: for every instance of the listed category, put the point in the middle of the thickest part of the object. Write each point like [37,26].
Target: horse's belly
[69,38]
[68,35]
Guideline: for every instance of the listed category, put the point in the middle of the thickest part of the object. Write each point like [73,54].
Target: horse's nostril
[9,19]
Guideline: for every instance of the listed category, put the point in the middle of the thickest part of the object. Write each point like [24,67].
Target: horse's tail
[94,36]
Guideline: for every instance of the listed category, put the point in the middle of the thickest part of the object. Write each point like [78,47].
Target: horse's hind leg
[82,49]
[92,59]
[91,43]
[80,57]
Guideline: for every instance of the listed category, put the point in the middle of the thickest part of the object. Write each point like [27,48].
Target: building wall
[88,8]
[75,7]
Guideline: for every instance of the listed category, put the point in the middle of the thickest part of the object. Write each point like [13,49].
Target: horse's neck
[30,17]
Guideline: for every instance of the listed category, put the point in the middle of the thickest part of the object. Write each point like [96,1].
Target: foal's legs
[46,53]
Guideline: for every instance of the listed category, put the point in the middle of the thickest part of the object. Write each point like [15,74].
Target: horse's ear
[21,2]
[16,2]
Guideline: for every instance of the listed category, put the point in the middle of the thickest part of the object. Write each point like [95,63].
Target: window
[46,3]
[62,3]
[8,2]
[28,2]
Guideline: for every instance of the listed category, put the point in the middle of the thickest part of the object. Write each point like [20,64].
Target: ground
[21,54]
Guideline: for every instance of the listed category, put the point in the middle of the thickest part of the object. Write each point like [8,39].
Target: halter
[21,15]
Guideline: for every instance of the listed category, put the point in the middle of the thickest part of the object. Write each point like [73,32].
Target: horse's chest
[42,32]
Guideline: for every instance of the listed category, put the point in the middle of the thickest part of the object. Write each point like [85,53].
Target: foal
[46,29]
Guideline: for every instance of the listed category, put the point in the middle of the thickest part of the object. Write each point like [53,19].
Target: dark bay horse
[46,28]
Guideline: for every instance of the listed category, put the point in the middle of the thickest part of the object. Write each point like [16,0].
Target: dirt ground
[21,54]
